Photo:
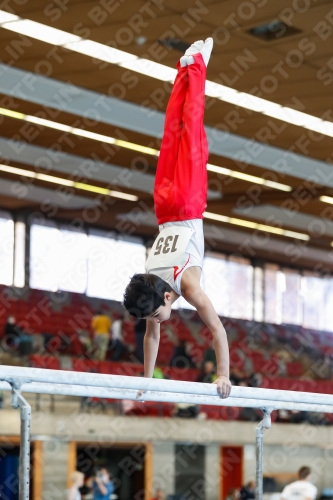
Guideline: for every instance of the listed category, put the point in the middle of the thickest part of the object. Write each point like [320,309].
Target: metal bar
[18,401]
[259,458]
[24,465]
[26,375]
[264,424]
[160,396]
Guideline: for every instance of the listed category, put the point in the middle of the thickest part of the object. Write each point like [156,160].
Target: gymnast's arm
[150,349]
[151,343]
[193,293]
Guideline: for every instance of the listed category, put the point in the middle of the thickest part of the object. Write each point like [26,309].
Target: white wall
[286,447]
[55,469]
[164,466]
[249,463]
[289,457]
[212,471]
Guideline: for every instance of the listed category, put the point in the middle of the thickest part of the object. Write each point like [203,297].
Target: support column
[212,471]
[18,401]
[164,467]
[264,424]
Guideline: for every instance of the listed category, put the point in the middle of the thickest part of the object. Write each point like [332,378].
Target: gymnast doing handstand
[174,265]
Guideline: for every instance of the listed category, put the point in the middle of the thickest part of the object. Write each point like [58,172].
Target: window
[291,297]
[313,291]
[240,288]
[215,283]
[258,294]
[130,259]
[58,259]
[272,299]
[6,249]
[44,262]
[19,255]
[101,265]
[111,264]
[72,261]
[328,305]
[229,285]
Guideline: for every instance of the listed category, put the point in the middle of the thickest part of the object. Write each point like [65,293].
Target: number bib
[169,248]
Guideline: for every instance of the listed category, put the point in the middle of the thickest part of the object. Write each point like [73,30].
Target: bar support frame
[19,402]
[265,423]
[67,383]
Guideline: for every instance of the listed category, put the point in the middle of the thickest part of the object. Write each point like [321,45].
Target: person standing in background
[302,489]
[233,494]
[117,344]
[207,374]
[159,495]
[101,325]
[102,485]
[180,357]
[248,491]
[77,480]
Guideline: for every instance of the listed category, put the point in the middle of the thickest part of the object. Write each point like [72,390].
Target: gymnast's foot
[205,48]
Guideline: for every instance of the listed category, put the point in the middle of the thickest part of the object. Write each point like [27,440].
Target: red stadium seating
[252,344]
[49,362]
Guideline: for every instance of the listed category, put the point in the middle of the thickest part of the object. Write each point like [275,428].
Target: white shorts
[195,251]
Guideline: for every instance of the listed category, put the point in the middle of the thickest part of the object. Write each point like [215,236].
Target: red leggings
[180,191]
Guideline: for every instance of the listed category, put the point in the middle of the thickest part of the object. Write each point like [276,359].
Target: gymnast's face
[162,313]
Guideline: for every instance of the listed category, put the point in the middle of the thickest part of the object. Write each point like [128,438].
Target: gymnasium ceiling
[293,68]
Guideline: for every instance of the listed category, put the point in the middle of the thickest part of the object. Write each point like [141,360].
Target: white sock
[183,61]
[205,48]
[194,48]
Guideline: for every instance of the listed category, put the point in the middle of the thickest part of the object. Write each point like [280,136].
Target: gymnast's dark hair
[144,294]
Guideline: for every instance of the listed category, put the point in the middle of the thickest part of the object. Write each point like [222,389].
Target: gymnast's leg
[170,145]
[190,181]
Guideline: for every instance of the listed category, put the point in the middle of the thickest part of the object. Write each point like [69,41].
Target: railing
[67,383]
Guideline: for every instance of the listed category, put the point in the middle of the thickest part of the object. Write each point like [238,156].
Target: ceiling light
[135,147]
[140,40]
[248,177]
[124,196]
[218,170]
[277,185]
[151,68]
[92,135]
[55,180]
[40,32]
[326,199]
[17,171]
[159,71]
[47,123]
[99,51]
[93,189]
[67,128]
[6,17]
[254,225]
[67,182]
[105,191]
[218,91]
[244,223]
[12,114]
[78,131]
